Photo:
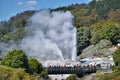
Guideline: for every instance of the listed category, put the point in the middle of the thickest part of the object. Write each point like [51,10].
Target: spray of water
[50,36]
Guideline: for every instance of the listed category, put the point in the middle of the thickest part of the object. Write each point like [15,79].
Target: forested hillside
[98,28]
[13,29]
[97,20]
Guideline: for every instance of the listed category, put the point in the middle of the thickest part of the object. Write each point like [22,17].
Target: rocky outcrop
[100,49]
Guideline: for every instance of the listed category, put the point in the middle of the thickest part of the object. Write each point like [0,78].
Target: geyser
[50,36]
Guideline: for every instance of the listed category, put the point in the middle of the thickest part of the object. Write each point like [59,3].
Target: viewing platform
[71,70]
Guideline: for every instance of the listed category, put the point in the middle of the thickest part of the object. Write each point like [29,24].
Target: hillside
[13,29]
[98,30]
[94,21]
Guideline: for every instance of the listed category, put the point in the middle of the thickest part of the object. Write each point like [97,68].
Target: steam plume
[50,36]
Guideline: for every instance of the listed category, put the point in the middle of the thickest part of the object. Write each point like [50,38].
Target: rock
[100,49]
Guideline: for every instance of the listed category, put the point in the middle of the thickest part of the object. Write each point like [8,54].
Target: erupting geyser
[51,36]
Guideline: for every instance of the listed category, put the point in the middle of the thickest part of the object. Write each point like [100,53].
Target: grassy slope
[7,73]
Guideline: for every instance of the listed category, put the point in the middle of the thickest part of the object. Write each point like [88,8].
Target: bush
[16,59]
[116,57]
[110,76]
[35,66]
[72,77]
[44,73]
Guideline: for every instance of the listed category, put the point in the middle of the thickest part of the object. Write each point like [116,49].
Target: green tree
[44,73]
[16,59]
[112,33]
[109,31]
[83,37]
[95,33]
[96,37]
[116,57]
[92,4]
[35,66]
[114,15]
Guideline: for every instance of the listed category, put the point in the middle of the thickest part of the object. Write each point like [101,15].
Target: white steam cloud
[50,36]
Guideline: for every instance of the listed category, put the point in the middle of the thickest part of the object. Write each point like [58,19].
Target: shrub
[35,66]
[110,76]
[44,73]
[116,57]
[72,77]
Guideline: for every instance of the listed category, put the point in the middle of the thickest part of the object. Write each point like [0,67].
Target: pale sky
[10,8]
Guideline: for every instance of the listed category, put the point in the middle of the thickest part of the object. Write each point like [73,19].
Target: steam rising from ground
[50,36]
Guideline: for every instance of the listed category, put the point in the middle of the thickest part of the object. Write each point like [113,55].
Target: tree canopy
[35,66]
[16,59]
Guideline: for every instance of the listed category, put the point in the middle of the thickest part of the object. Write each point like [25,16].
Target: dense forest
[95,21]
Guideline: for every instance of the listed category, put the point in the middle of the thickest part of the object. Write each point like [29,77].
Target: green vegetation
[13,29]
[116,69]
[92,21]
[7,73]
[108,76]
[116,58]
[44,73]
[109,31]
[72,77]
[16,66]
[83,36]
[99,50]
[15,59]
[107,5]
[98,27]
[35,66]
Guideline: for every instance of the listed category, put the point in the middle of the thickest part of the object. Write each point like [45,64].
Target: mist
[50,36]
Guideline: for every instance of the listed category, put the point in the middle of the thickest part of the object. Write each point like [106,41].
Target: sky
[9,8]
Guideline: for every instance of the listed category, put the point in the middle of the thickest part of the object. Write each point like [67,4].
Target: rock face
[100,49]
